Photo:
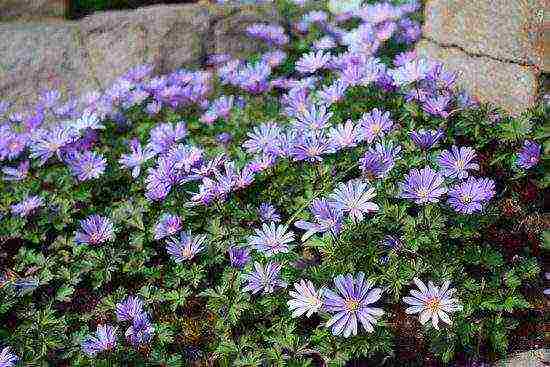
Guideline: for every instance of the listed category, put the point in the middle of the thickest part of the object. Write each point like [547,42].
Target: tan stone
[511,86]
[503,29]
[31,8]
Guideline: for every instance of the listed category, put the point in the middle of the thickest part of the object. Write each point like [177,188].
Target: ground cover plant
[334,200]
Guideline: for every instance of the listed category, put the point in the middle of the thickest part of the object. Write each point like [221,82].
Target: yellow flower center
[423,193]
[434,304]
[352,305]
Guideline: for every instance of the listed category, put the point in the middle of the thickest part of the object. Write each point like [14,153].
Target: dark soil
[80,8]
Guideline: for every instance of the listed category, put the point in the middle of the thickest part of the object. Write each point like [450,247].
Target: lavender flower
[253,77]
[346,135]
[423,186]
[136,158]
[264,279]
[46,143]
[324,43]
[437,106]
[128,309]
[87,121]
[27,206]
[7,358]
[141,331]
[88,165]
[311,147]
[333,93]
[224,138]
[262,138]
[186,247]
[271,239]
[168,225]
[270,33]
[238,256]
[274,58]
[354,198]
[412,71]
[306,299]
[104,340]
[310,63]
[457,161]
[432,302]
[268,213]
[351,305]
[327,218]
[164,136]
[471,196]
[426,139]
[313,117]
[95,230]
[376,124]
[529,155]
[379,160]
[16,174]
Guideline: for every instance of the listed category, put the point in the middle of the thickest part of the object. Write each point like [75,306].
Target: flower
[95,230]
[333,93]
[529,155]
[262,138]
[314,117]
[87,121]
[141,330]
[136,158]
[426,139]
[328,217]
[238,256]
[432,302]
[264,279]
[306,299]
[310,147]
[46,143]
[379,160]
[87,165]
[350,304]
[16,174]
[164,136]
[27,206]
[186,247]
[270,33]
[346,135]
[437,106]
[354,198]
[471,196]
[423,186]
[456,162]
[7,358]
[271,239]
[168,225]
[268,213]
[128,309]
[376,124]
[104,340]
[313,61]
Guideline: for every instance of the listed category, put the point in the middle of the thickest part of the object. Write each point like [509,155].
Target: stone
[532,358]
[511,86]
[509,30]
[31,8]
[41,56]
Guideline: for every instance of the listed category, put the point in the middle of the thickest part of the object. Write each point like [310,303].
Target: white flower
[432,302]
[306,299]
[354,198]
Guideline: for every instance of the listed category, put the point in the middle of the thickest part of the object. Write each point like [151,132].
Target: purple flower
[379,160]
[217,59]
[324,43]
[471,196]
[141,331]
[95,230]
[426,139]
[88,165]
[404,57]
[46,143]
[274,58]
[270,33]
[262,138]
[437,106]
[168,225]
[423,186]
[432,302]
[153,108]
[412,71]
[333,93]
[253,77]
[305,299]
[268,213]
[313,61]
[7,358]
[239,256]
[376,124]
[87,121]
[271,239]
[457,161]
[16,174]
[49,98]
[346,135]
[104,340]
[186,247]
[128,309]
[164,136]
[354,198]
[264,279]
[310,147]
[27,206]
[136,158]
[350,305]
[224,138]
[222,106]
[529,155]
[208,190]
[328,217]
[313,117]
